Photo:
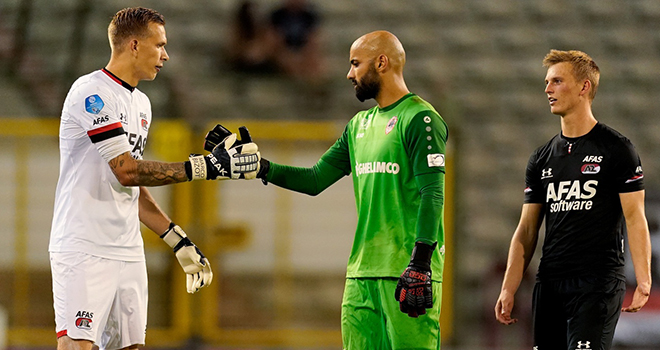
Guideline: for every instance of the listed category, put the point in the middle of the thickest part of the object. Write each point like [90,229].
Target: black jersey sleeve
[629,176]
[533,185]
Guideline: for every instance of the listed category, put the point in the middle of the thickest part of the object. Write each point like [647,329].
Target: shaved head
[379,43]
[377,61]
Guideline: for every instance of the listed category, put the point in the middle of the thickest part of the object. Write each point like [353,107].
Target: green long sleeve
[429,219]
[311,181]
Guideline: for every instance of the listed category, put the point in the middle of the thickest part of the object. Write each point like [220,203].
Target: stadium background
[279,257]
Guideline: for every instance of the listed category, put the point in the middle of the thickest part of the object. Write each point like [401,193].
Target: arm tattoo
[114,164]
[147,172]
[150,173]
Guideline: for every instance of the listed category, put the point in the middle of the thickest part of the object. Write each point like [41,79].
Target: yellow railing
[194,205]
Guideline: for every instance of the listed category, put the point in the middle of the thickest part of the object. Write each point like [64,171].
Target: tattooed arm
[132,172]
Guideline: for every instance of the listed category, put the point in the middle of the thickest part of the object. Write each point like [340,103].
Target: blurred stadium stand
[477,61]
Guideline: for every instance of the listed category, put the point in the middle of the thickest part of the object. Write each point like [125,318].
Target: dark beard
[369,86]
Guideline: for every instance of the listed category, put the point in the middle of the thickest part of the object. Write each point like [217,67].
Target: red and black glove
[414,291]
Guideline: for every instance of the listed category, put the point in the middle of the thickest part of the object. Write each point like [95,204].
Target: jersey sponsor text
[84,319]
[101,120]
[592,159]
[377,167]
[138,142]
[578,196]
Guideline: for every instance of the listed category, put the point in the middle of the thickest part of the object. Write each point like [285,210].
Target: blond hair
[583,65]
[131,22]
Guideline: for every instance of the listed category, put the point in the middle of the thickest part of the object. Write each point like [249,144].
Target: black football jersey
[578,180]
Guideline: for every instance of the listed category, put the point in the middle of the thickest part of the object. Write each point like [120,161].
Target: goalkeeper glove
[194,263]
[229,158]
[219,132]
[413,291]
[215,136]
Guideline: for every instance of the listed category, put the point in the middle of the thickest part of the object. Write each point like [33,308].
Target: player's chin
[555,110]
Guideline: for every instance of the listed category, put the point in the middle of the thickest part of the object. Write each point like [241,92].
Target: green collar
[393,105]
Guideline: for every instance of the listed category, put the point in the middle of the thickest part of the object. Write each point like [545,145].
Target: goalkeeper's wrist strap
[188,168]
[264,167]
[174,236]
[422,253]
[196,167]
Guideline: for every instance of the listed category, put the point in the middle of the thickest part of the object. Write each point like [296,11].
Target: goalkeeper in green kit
[395,152]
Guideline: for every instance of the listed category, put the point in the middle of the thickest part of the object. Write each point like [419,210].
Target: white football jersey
[102,118]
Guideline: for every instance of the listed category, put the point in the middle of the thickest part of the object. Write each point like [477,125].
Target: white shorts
[98,299]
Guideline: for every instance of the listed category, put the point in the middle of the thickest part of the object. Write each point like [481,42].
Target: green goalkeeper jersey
[396,156]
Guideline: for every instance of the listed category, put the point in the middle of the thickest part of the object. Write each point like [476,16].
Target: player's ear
[133,46]
[382,63]
[586,87]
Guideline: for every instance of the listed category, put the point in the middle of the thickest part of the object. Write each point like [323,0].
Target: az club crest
[84,320]
[590,168]
[84,323]
[144,122]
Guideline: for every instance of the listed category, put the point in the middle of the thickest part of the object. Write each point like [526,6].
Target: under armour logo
[583,345]
[546,173]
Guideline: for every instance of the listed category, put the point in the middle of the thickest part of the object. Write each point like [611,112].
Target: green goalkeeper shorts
[371,319]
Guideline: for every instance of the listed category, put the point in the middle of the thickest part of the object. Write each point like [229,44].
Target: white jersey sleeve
[94,109]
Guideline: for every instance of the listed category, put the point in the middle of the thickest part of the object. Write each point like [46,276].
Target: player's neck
[388,97]
[123,71]
[392,92]
[579,123]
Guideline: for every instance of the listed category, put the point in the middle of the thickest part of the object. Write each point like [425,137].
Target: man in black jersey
[585,181]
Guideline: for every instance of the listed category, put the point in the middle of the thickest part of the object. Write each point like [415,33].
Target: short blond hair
[584,66]
[131,22]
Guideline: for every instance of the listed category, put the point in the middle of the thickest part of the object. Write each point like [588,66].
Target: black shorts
[577,313]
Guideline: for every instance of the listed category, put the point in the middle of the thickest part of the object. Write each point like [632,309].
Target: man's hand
[414,291]
[640,297]
[215,136]
[194,263]
[503,309]
[229,159]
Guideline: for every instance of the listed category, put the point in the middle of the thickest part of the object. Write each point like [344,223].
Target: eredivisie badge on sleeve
[94,104]
[435,160]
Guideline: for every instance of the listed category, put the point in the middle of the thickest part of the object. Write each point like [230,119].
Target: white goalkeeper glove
[229,159]
[194,263]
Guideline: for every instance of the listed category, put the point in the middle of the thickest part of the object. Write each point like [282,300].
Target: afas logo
[101,120]
[572,189]
[138,142]
[594,159]
[571,195]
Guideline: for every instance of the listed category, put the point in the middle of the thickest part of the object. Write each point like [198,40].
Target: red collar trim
[117,80]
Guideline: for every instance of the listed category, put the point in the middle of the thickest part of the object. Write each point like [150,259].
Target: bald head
[381,42]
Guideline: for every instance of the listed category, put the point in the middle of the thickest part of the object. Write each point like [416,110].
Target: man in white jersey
[96,248]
